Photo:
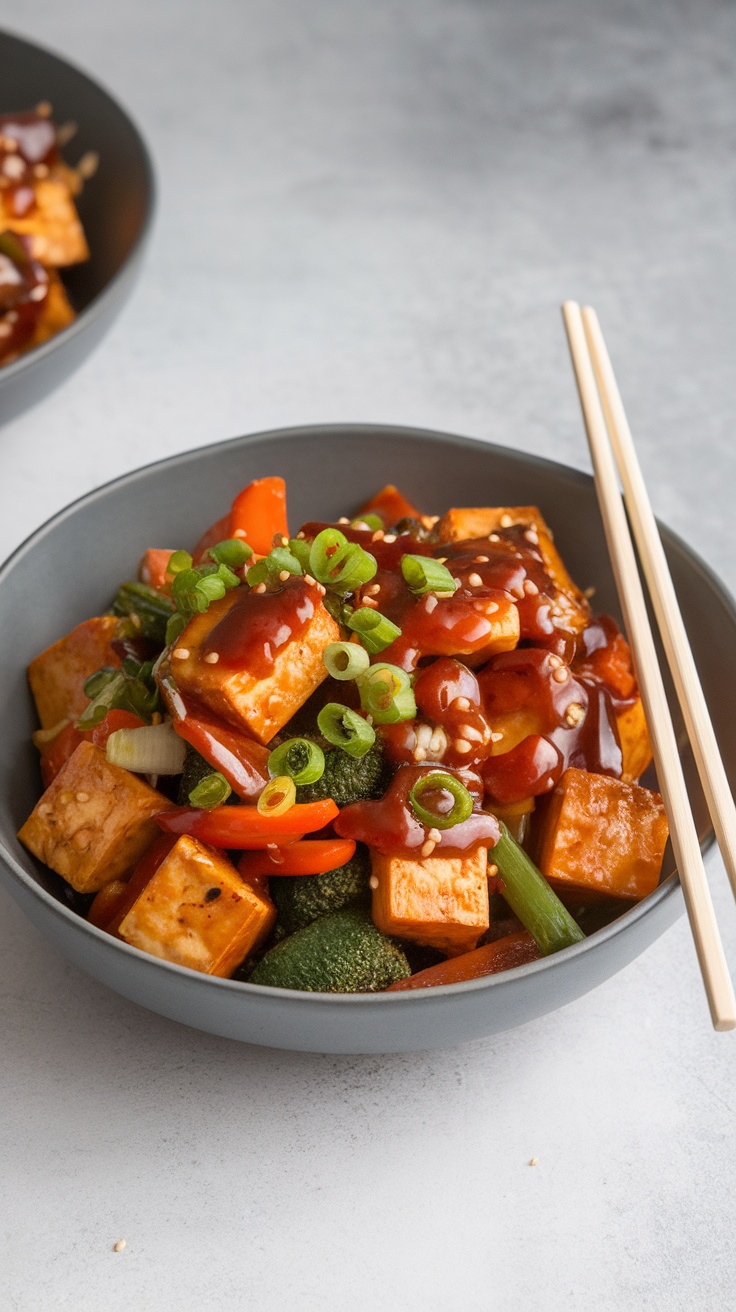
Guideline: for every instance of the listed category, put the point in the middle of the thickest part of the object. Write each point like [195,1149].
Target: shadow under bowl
[329,471]
[116,209]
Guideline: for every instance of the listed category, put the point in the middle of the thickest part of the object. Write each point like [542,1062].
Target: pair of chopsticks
[614,457]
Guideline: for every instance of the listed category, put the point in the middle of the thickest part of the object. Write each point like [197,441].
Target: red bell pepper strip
[54,755]
[315,856]
[215,533]
[504,954]
[259,512]
[244,827]
[113,721]
[243,762]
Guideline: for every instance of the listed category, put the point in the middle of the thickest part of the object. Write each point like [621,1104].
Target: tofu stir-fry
[40,229]
[388,753]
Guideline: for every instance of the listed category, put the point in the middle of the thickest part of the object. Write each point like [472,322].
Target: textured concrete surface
[373,212]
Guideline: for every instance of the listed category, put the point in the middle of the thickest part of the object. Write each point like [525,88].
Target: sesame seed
[119,1246]
[284,575]
[438,742]
[38,294]
[475,580]
[435,835]
[420,753]
[44,809]
[379,535]
[239,533]
[260,588]
[284,540]
[532,537]
[308,579]
[496,737]
[461,704]
[492,870]
[13,167]
[492,607]
[181,654]
[371,590]
[555,662]
[442,560]
[373,881]
[301,535]
[506,521]
[561,674]
[430,604]
[343,520]
[534,1161]
[493,537]
[574,714]
[428,848]
[389,537]
[461,746]
[481,560]
[473,735]
[530,588]
[82,797]
[370,601]
[212,657]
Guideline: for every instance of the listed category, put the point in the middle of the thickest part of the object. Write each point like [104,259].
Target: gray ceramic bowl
[44,591]
[115,207]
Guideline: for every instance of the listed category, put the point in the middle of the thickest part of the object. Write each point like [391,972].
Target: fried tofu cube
[439,901]
[57,313]
[468,522]
[250,694]
[196,911]
[93,822]
[53,224]
[636,748]
[57,677]
[604,836]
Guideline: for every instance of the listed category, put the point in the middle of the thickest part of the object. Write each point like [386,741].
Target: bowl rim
[412,997]
[99,302]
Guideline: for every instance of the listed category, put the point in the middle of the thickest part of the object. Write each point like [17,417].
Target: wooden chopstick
[677,648]
[708,946]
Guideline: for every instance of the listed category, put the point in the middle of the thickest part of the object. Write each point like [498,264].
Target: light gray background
[371,211]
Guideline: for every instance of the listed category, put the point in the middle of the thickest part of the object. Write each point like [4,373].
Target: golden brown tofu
[440,901]
[635,745]
[468,522]
[196,911]
[53,225]
[57,313]
[602,835]
[57,677]
[257,695]
[93,822]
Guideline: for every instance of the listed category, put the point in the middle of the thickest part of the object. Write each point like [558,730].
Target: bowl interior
[115,204]
[69,569]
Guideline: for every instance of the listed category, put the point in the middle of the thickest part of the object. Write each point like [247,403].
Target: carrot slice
[259,512]
[391,505]
[315,856]
[504,954]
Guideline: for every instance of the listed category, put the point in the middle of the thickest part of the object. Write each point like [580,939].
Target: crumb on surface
[119,1246]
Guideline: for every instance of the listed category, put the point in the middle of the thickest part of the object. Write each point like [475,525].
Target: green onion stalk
[344,728]
[531,899]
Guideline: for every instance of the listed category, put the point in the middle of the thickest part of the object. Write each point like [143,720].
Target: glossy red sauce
[258,625]
[390,825]
[24,286]
[27,153]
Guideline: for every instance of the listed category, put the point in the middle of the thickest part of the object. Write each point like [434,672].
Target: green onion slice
[277,560]
[300,549]
[152,749]
[99,680]
[423,574]
[278,797]
[346,729]
[531,899]
[233,552]
[440,801]
[211,791]
[299,759]
[386,694]
[374,630]
[340,565]
[345,660]
[178,562]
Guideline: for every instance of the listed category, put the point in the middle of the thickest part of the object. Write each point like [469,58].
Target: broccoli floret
[341,953]
[195,770]
[300,899]
[348,778]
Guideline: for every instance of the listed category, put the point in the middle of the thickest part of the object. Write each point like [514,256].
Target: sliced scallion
[152,749]
[440,801]
[178,562]
[233,552]
[278,797]
[340,565]
[531,899]
[346,729]
[345,660]
[375,631]
[277,560]
[300,759]
[370,521]
[423,574]
[386,694]
[211,791]
[151,609]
